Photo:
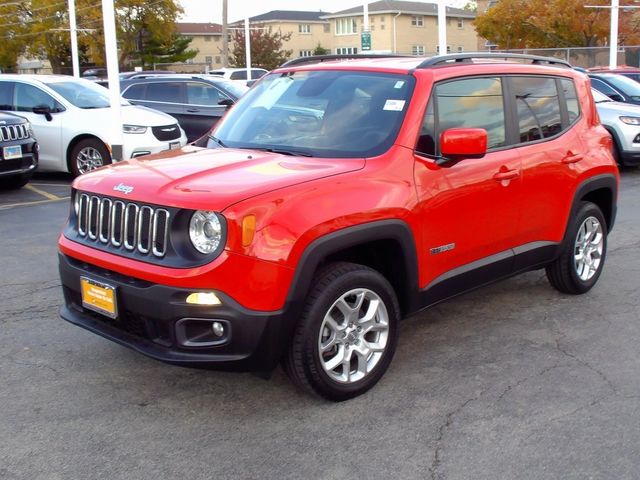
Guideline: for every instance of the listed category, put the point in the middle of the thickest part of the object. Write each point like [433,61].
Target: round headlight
[205,231]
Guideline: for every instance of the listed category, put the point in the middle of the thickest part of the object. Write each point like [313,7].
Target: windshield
[626,85]
[600,97]
[82,94]
[341,114]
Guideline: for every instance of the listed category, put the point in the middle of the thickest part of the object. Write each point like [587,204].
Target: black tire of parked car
[562,273]
[91,151]
[303,362]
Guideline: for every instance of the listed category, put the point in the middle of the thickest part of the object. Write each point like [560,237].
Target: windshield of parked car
[627,86]
[329,113]
[599,97]
[82,94]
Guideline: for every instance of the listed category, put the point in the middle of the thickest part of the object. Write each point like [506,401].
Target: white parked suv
[622,121]
[69,116]
[239,74]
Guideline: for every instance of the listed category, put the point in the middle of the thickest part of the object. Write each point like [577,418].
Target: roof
[395,6]
[290,16]
[198,28]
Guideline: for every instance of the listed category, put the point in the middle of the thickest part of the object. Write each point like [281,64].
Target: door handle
[506,175]
[193,110]
[572,158]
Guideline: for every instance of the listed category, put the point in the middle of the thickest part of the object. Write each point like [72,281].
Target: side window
[202,94]
[135,92]
[239,75]
[472,103]
[6,95]
[28,97]
[255,74]
[603,87]
[538,107]
[570,96]
[164,92]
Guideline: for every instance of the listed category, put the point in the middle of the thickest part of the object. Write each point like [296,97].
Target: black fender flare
[606,181]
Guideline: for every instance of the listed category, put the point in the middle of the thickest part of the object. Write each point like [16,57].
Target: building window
[326,27]
[460,23]
[208,60]
[372,28]
[382,19]
[460,49]
[304,28]
[438,49]
[417,50]
[382,27]
[346,51]
[217,39]
[417,21]
[218,60]
[207,38]
[306,53]
[346,26]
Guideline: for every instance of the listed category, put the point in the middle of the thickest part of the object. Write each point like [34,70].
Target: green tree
[320,50]
[266,49]
[175,50]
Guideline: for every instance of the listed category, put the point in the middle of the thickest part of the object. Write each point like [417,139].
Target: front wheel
[580,264]
[347,335]
[88,155]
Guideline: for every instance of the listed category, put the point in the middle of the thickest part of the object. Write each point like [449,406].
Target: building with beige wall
[307,29]
[402,27]
[207,39]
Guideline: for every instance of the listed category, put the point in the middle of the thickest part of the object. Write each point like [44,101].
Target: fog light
[203,298]
[218,329]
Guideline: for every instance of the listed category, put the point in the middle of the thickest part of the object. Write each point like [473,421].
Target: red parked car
[335,198]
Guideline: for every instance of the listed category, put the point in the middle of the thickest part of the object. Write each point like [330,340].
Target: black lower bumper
[630,158]
[151,318]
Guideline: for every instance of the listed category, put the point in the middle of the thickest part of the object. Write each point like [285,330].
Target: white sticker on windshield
[399,84]
[394,105]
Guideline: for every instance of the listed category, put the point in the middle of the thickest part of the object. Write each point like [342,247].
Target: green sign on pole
[365,41]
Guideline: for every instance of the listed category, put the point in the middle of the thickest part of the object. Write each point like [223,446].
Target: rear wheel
[347,335]
[88,155]
[580,264]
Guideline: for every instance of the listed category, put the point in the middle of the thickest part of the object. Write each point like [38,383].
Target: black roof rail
[328,58]
[469,56]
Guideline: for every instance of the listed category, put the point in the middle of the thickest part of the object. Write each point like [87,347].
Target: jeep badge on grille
[121,187]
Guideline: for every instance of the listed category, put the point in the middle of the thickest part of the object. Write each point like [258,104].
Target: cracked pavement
[511,381]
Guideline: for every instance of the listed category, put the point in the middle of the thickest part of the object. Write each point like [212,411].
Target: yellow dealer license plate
[99,297]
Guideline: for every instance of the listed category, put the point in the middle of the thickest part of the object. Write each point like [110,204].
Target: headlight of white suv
[133,129]
[630,120]
[206,231]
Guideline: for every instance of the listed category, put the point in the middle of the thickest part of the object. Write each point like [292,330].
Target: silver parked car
[622,120]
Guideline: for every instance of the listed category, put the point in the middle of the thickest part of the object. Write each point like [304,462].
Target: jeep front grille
[14,132]
[123,225]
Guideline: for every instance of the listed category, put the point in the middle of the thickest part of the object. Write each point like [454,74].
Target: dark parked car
[19,151]
[617,87]
[630,72]
[196,102]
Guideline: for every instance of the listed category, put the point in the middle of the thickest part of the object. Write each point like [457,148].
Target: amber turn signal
[248,229]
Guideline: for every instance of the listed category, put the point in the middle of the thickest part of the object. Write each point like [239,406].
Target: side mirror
[460,143]
[227,102]
[43,110]
[616,98]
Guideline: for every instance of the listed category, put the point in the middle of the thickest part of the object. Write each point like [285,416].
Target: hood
[146,117]
[211,179]
[11,119]
[607,109]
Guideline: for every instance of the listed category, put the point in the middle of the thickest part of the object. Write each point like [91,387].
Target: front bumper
[151,317]
[137,145]
[23,165]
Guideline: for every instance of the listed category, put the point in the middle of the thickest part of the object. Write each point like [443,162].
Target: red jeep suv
[337,197]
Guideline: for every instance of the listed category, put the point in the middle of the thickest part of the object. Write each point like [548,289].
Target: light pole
[442,27]
[73,31]
[613,30]
[111,48]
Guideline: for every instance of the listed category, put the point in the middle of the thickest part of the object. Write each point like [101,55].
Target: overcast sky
[211,10]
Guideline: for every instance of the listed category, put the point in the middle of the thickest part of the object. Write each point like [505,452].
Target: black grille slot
[166,132]
[14,132]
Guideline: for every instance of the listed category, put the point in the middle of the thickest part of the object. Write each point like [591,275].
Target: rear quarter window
[537,107]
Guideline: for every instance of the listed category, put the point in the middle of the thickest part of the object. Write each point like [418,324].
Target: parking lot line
[48,195]
[49,184]
[37,202]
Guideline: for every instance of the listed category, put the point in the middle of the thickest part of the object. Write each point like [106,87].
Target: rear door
[166,96]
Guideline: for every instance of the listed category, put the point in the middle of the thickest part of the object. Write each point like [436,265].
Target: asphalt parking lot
[511,381]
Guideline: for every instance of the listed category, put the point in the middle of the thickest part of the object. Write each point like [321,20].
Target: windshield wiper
[296,153]
[216,140]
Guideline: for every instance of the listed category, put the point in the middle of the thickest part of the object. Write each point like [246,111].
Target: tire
[369,343]
[574,272]
[87,155]
[15,182]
